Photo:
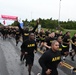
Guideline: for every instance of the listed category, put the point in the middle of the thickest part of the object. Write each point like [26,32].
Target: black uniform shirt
[50,60]
[25,33]
[74,39]
[48,40]
[66,40]
[29,46]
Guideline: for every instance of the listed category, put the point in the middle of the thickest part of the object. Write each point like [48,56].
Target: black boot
[72,58]
[21,57]
[26,64]
[74,69]
[29,74]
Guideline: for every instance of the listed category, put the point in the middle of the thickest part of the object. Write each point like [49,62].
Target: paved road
[11,65]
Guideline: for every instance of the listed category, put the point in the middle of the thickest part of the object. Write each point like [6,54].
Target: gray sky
[33,9]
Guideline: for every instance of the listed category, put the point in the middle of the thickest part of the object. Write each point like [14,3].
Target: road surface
[10,60]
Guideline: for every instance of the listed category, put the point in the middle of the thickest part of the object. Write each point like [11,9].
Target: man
[59,39]
[28,47]
[25,35]
[73,47]
[25,32]
[17,36]
[49,39]
[50,60]
[66,43]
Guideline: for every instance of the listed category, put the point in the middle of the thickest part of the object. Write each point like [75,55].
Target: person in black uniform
[49,39]
[61,34]
[25,32]
[47,32]
[4,33]
[42,38]
[25,35]
[61,47]
[59,39]
[66,43]
[50,60]
[29,47]
[17,36]
[73,47]
[57,34]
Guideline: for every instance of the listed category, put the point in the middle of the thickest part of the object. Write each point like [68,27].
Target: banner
[9,17]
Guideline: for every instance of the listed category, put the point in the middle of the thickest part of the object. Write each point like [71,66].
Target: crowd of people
[55,45]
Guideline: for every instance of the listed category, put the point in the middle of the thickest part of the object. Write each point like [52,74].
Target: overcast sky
[33,9]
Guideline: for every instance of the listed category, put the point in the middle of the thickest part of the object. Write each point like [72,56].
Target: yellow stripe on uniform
[64,46]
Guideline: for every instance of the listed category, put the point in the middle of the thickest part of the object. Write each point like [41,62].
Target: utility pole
[31,15]
[59,13]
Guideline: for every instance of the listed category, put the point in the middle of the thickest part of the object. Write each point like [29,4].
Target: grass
[72,32]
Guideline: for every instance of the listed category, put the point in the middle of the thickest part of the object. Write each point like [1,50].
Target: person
[25,32]
[29,47]
[42,38]
[57,34]
[50,60]
[25,35]
[49,39]
[17,37]
[61,47]
[4,31]
[66,44]
[61,34]
[59,39]
[73,47]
